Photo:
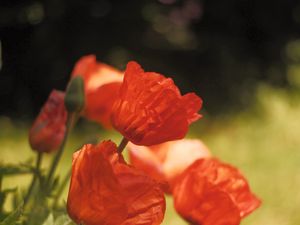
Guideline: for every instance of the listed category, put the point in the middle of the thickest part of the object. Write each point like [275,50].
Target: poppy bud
[74,100]
[48,130]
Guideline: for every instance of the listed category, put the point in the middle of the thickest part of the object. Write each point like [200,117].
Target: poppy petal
[150,109]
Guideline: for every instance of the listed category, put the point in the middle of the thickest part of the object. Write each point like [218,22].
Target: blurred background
[241,56]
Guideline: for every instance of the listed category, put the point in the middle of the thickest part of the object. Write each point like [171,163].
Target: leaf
[10,170]
[3,195]
[49,220]
[63,220]
[13,217]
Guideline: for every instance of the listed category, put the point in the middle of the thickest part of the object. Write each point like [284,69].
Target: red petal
[105,190]
[150,109]
[146,202]
[193,104]
[210,175]
[201,203]
[165,162]
[101,84]
[231,181]
[99,103]
[85,66]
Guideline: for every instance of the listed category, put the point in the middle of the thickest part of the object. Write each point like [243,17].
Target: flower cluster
[153,116]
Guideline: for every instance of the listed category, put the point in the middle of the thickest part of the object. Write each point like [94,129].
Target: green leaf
[13,217]
[3,195]
[63,220]
[10,170]
[49,220]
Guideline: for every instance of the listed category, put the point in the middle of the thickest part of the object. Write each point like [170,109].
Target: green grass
[263,141]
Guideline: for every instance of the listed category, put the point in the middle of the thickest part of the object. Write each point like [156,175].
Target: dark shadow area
[219,49]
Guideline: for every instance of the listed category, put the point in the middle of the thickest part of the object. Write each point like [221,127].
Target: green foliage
[49,220]
[3,195]
[14,217]
[74,99]
[60,220]
[10,170]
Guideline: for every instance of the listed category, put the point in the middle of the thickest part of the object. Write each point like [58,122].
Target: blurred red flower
[101,84]
[210,192]
[150,109]
[48,129]
[166,161]
[105,190]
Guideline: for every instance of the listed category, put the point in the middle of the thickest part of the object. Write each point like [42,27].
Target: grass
[264,142]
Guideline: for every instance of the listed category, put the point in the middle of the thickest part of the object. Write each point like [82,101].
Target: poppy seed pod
[74,100]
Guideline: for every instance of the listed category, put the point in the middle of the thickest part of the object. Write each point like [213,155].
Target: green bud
[74,99]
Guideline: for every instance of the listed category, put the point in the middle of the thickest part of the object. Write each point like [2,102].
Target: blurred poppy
[166,161]
[210,192]
[105,190]
[48,129]
[150,109]
[101,84]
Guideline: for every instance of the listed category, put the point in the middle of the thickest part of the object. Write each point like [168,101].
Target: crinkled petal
[95,193]
[210,190]
[233,182]
[193,104]
[150,109]
[105,190]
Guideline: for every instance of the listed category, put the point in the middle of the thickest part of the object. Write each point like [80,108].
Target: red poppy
[48,129]
[105,190]
[101,83]
[210,192]
[166,161]
[150,109]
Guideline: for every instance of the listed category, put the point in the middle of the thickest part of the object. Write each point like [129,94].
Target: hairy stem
[34,178]
[70,122]
[122,145]
[61,188]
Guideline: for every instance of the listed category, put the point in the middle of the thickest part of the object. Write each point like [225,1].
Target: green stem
[122,145]
[61,188]
[69,124]
[34,179]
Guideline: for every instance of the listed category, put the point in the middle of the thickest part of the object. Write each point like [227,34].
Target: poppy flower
[210,192]
[105,190]
[166,161]
[48,129]
[150,109]
[101,84]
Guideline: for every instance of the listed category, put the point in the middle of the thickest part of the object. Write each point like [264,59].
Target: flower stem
[69,125]
[61,188]
[35,176]
[122,145]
